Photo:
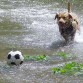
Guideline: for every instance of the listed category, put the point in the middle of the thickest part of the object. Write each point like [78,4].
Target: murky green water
[29,26]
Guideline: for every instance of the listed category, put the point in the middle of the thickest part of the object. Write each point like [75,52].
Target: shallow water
[29,26]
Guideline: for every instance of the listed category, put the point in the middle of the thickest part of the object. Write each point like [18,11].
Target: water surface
[29,26]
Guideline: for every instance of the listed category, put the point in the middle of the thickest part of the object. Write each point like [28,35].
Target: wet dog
[68,24]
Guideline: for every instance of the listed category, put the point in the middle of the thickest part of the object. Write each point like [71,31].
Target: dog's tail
[69,7]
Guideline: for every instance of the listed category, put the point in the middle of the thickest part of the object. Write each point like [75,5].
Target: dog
[68,24]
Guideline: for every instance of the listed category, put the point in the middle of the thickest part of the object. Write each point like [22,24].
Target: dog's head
[63,19]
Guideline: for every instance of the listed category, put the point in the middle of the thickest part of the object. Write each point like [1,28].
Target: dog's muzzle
[61,23]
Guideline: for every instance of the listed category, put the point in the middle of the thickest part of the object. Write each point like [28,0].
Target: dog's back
[75,17]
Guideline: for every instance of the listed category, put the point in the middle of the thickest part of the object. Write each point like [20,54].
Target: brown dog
[68,24]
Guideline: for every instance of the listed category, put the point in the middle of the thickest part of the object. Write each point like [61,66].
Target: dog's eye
[59,17]
[64,17]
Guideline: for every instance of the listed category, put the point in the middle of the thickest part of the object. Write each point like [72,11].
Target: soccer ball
[15,58]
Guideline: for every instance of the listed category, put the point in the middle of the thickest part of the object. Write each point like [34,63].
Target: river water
[29,26]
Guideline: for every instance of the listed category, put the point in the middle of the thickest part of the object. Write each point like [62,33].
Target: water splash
[79,36]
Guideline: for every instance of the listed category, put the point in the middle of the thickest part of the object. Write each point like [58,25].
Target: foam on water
[79,36]
[40,20]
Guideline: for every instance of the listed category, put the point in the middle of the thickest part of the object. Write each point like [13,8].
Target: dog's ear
[56,16]
[70,16]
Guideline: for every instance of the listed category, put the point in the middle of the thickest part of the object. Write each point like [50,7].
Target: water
[29,26]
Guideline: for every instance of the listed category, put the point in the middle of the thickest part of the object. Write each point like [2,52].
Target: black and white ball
[15,58]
